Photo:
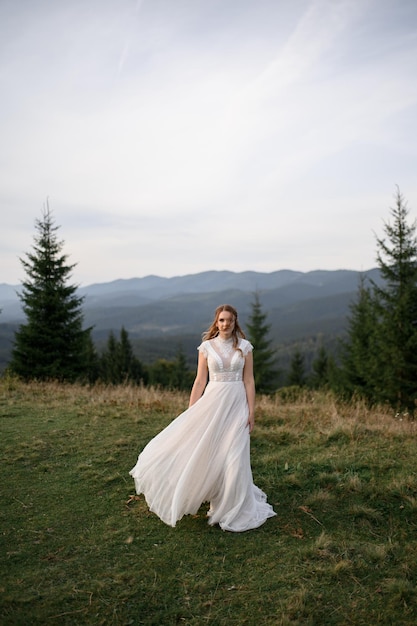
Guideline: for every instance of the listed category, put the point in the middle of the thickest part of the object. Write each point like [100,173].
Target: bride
[204,454]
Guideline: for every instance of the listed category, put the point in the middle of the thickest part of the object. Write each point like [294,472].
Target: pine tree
[320,369]
[118,364]
[297,373]
[171,374]
[263,356]
[92,361]
[359,359]
[129,365]
[109,370]
[51,344]
[161,373]
[182,378]
[396,307]
[379,356]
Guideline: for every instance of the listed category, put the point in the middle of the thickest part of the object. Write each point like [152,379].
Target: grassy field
[79,548]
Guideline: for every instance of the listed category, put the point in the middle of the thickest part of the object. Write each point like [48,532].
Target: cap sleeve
[203,348]
[246,347]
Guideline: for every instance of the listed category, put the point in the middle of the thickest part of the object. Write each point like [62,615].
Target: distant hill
[162,313]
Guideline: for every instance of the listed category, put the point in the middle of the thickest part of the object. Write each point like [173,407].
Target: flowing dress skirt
[204,456]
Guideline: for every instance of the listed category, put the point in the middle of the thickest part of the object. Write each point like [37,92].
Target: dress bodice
[225,363]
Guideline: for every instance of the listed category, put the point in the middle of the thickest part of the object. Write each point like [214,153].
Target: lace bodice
[225,364]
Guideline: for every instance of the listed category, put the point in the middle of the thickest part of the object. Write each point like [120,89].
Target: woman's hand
[251,422]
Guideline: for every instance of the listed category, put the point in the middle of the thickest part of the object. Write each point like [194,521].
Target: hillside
[80,548]
[162,313]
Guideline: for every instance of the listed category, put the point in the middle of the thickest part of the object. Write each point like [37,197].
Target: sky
[171,137]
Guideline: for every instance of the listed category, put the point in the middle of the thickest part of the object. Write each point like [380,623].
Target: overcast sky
[178,136]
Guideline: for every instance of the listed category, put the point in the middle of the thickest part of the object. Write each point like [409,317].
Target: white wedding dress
[204,454]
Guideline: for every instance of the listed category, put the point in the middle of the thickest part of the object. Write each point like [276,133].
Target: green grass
[77,547]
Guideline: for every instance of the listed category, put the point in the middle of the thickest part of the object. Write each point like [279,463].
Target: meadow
[79,547]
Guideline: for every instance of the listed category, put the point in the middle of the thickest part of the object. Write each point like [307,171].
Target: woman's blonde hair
[213,331]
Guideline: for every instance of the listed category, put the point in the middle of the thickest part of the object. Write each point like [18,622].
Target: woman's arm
[200,381]
[249,383]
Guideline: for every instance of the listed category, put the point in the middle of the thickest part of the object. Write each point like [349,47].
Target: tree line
[376,360]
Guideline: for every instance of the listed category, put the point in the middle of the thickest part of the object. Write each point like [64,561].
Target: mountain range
[161,313]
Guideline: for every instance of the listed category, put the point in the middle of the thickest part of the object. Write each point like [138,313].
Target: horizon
[285,269]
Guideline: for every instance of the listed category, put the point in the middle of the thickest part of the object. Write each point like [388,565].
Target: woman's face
[225,323]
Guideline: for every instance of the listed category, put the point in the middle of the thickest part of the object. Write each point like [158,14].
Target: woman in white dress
[204,454]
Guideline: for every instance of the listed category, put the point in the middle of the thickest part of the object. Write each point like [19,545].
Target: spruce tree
[379,356]
[109,370]
[118,364]
[263,356]
[320,369]
[162,373]
[92,361]
[182,377]
[359,358]
[297,373]
[396,307]
[171,374]
[129,365]
[52,343]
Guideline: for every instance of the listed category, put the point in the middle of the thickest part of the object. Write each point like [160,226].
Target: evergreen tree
[263,356]
[359,359]
[51,344]
[320,369]
[108,362]
[297,373]
[118,364]
[396,307]
[171,374]
[182,377]
[129,365]
[161,373]
[379,357]
[92,361]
